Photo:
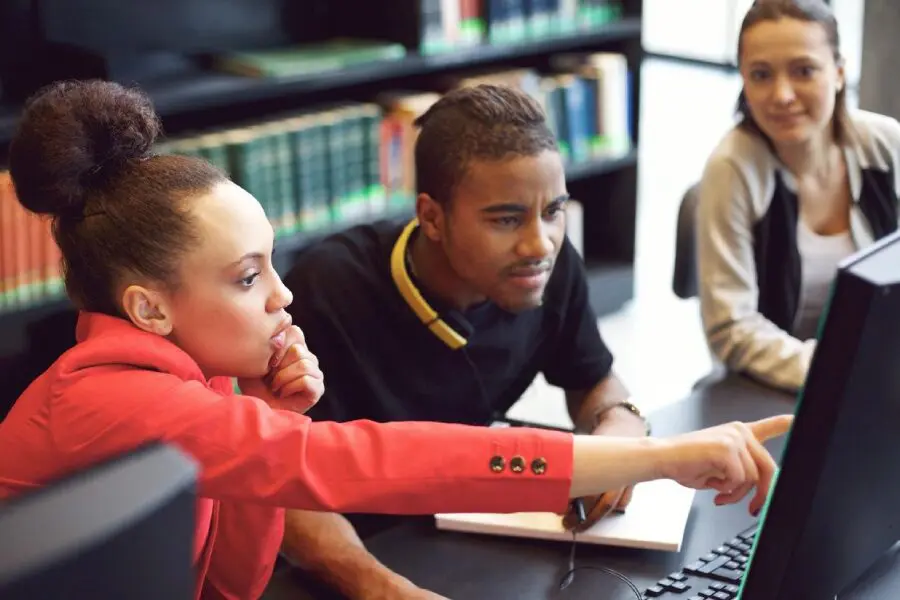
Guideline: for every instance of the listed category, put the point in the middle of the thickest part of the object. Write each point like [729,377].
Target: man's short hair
[484,122]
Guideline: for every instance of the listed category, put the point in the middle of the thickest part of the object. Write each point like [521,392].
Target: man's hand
[294,381]
[621,422]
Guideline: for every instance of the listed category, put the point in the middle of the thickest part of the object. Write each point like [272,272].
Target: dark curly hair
[483,122]
[83,153]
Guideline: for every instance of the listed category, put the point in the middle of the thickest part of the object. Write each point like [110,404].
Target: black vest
[775,249]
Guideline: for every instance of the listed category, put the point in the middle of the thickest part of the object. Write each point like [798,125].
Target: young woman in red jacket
[170,265]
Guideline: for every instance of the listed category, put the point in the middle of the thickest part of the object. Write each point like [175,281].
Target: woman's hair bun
[72,136]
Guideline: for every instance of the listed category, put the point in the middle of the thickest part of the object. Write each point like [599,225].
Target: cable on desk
[569,577]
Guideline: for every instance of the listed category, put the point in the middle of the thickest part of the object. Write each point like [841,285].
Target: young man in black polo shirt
[451,316]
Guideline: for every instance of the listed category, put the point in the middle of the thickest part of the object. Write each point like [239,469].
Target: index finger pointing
[766,429]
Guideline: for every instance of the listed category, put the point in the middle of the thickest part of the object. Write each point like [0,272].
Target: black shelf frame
[201,90]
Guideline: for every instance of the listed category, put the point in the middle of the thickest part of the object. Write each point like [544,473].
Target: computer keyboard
[715,576]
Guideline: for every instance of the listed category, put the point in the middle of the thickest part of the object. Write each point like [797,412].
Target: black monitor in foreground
[835,509]
[121,529]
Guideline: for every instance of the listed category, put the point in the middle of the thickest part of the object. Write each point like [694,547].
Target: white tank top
[819,257]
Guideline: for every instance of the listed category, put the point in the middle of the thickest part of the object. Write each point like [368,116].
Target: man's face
[504,226]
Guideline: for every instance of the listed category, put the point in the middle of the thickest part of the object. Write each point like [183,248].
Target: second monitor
[835,509]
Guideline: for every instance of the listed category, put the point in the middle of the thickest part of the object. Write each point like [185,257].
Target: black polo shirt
[382,363]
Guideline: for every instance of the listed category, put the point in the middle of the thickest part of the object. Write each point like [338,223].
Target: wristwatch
[628,406]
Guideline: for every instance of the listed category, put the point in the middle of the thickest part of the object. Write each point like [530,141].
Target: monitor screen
[120,529]
[835,508]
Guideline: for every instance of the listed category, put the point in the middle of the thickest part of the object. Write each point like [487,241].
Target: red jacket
[119,387]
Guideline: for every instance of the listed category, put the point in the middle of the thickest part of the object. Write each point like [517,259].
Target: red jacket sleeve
[249,452]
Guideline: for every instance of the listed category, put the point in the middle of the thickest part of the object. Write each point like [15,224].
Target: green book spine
[321,173]
[267,166]
[355,155]
[311,149]
[212,149]
[283,180]
[243,163]
[295,131]
[337,166]
[302,140]
[376,196]
[518,26]
[472,30]
[557,108]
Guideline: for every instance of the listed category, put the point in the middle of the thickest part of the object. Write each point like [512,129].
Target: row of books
[449,24]
[353,161]
[329,167]
[587,99]
[445,25]
[29,257]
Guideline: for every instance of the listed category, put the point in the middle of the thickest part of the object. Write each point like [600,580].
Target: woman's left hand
[294,381]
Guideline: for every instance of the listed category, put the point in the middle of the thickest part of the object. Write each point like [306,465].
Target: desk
[466,566]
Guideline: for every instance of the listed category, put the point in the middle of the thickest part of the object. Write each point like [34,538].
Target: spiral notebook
[656,519]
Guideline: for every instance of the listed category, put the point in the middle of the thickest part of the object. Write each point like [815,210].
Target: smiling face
[791,79]
[228,307]
[504,227]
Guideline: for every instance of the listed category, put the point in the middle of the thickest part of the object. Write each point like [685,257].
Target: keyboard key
[679,587]
[678,577]
[717,586]
[722,596]
[713,565]
[726,575]
[706,594]
[733,553]
[665,583]
[731,589]
[732,565]
[654,592]
[696,598]
[693,568]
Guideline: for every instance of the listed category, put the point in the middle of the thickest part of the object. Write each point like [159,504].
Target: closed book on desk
[655,520]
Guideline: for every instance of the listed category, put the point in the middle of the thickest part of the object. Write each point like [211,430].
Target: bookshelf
[197,101]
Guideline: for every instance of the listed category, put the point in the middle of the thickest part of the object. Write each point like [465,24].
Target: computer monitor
[835,508]
[121,529]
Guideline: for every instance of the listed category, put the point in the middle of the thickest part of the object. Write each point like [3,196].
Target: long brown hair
[812,11]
